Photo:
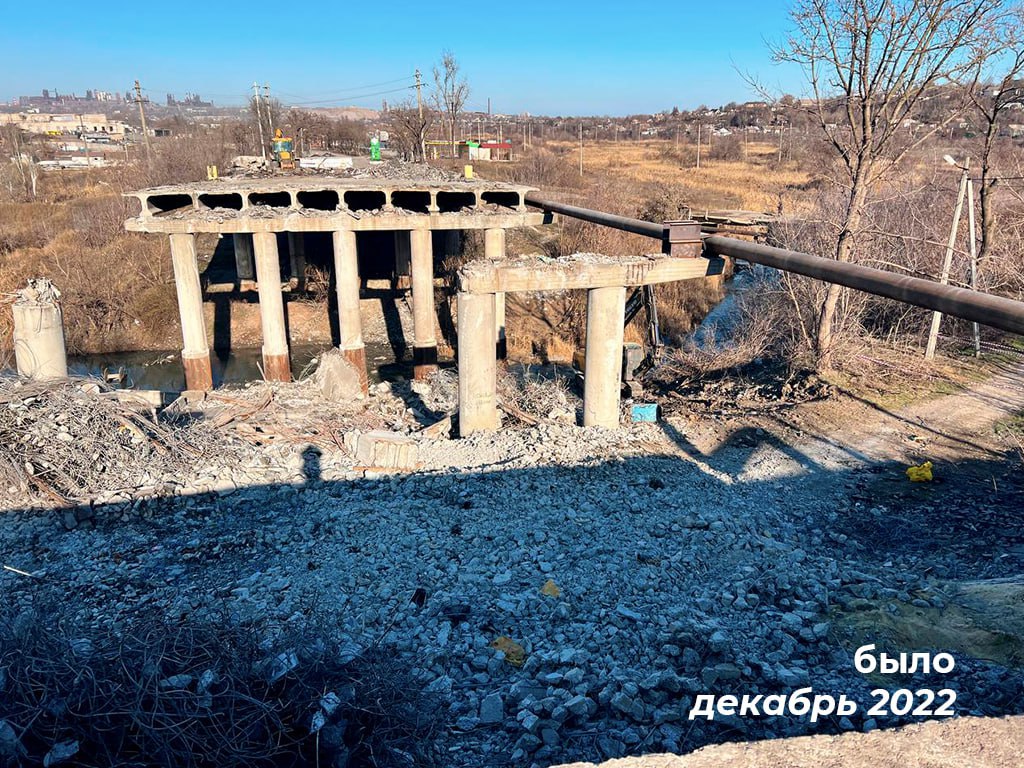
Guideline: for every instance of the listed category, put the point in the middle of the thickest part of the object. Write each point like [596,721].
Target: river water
[161,370]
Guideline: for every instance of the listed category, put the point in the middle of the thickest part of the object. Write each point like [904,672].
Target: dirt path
[949,428]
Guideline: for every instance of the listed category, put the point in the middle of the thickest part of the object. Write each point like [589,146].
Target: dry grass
[754,184]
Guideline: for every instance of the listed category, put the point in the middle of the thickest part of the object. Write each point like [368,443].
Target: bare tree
[22,159]
[870,64]
[991,102]
[450,92]
[409,126]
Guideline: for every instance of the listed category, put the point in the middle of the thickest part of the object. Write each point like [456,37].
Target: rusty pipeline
[976,306]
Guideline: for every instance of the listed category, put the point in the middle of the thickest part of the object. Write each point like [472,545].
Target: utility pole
[581,148]
[270,116]
[933,332]
[698,146]
[85,142]
[142,119]
[259,120]
[419,106]
[975,329]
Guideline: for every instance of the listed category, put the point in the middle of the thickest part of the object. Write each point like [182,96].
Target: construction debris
[388,450]
[68,441]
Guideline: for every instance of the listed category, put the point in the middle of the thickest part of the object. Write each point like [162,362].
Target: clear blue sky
[551,57]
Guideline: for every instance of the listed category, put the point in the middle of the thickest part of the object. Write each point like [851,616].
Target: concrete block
[387,449]
[338,379]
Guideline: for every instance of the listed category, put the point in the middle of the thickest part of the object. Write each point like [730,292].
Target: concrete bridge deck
[316,203]
[254,210]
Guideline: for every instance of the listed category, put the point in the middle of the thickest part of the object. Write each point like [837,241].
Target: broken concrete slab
[389,450]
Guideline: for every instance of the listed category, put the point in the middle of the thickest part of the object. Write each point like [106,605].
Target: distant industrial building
[67,124]
[56,99]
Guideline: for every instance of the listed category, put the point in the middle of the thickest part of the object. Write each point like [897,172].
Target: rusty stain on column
[424,350]
[494,250]
[195,353]
[276,363]
[346,275]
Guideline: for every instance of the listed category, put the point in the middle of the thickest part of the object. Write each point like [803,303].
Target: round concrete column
[243,256]
[478,399]
[346,276]
[494,250]
[195,354]
[424,349]
[297,254]
[276,363]
[602,376]
[39,350]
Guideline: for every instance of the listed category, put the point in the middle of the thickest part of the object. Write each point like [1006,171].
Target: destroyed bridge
[424,219]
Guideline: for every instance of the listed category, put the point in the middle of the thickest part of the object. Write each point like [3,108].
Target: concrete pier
[244,266]
[494,250]
[605,280]
[403,261]
[346,272]
[276,363]
[602,377]
[478,406]
[424,350]
[297,254]
[39,350]
[195,353]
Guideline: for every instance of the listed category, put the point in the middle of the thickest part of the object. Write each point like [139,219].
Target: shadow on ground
[757,569]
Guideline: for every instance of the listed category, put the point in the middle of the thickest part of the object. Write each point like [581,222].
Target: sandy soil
[968,742]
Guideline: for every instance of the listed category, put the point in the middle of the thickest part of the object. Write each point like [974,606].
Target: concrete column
[244,267]
[403,259]
[276,363]
[478,399]
[346,277]
[39,350]
[195,354]
[602,376]
[424,348]
[297,253]
[494,249]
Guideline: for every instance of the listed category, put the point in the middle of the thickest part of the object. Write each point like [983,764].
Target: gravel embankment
[731,573]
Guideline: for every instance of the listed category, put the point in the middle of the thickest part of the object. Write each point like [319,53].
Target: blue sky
[542,57]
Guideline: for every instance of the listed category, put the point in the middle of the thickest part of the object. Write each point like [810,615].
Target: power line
[351,97]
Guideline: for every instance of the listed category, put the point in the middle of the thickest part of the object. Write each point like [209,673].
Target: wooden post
[933,333]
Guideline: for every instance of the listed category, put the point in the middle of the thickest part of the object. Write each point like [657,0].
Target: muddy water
[161,370]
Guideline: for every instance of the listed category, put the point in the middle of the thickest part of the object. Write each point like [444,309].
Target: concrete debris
[38,292]
[677,580]
[337,378]
[387,450]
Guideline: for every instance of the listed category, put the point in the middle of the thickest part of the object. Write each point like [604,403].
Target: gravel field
[567,592]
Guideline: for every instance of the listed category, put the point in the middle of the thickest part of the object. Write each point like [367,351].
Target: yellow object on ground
[515,654]
[468,171]
[550,589]
[921,473]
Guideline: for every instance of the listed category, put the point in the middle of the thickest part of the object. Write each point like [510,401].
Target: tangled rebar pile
[68,440]
[182,693]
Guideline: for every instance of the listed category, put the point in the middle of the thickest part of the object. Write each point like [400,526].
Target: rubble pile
[71,441]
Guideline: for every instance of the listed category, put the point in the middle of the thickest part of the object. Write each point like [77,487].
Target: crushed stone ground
[690,557]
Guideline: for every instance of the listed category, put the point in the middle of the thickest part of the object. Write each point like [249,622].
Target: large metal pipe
[994,311]
[625,223]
